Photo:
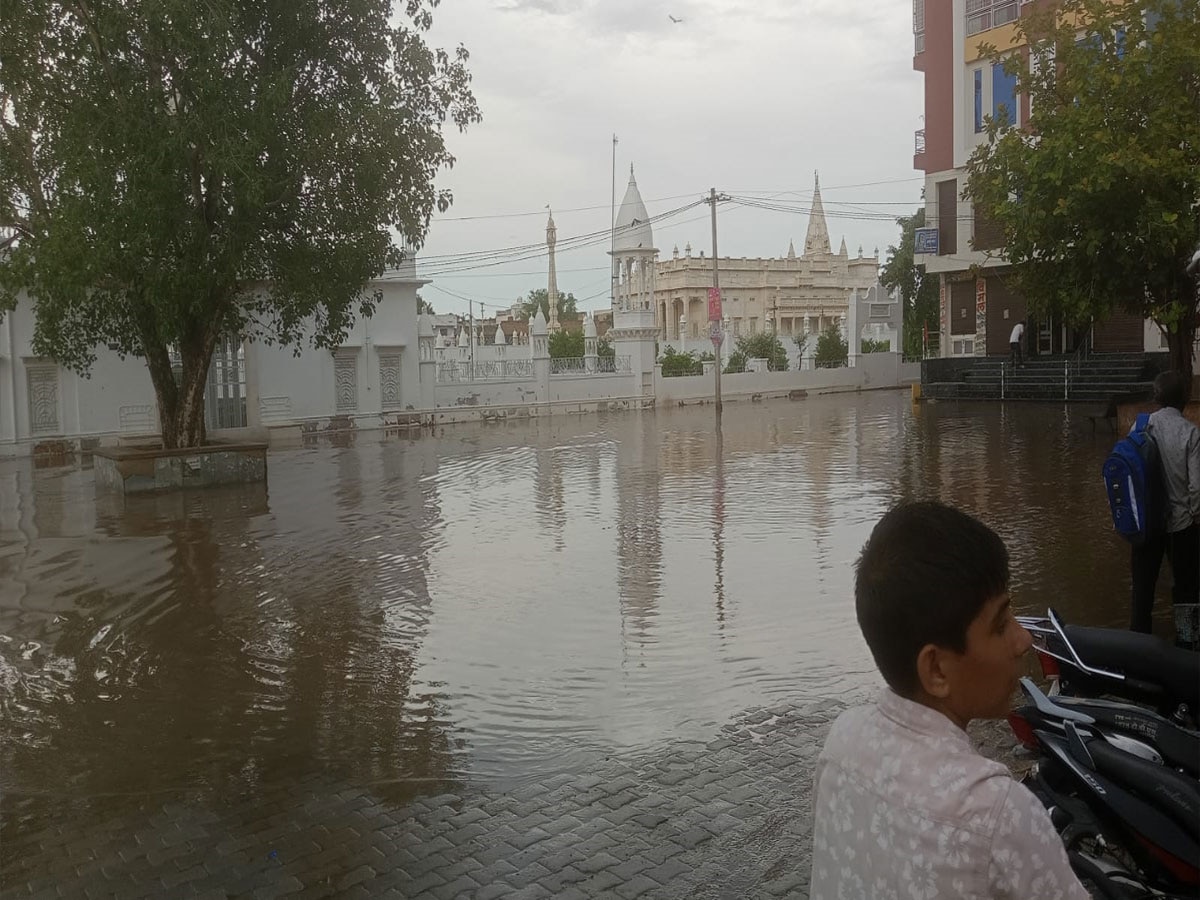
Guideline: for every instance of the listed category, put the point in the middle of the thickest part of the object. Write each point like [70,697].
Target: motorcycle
[1135,730]
[1083,661]
[1126,813]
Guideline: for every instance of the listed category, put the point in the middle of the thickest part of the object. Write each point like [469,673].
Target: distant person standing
[1178,443]
[1014,343]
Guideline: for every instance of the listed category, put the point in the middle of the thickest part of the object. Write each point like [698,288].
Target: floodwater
[494,602]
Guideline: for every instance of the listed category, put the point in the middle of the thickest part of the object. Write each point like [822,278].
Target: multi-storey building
[979,305]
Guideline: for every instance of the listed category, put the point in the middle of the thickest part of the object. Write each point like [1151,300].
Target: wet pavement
[292,688]
[727,819]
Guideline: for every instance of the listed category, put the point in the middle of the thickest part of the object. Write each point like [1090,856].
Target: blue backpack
[1133,479]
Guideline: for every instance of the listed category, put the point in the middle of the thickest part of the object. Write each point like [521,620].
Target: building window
[985,14]
[225,390]
[987,233]
[345,380]
[1004,95]
[947,192]
[389,379]
[737,327]
[1041,60]
[978,100]
[753,325]
[42,385]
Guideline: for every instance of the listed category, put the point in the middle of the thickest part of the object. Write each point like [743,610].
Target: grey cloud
[631,17]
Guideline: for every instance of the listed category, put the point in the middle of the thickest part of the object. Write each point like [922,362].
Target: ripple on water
[500,601]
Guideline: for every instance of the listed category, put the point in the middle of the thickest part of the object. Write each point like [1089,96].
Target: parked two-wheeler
[1121,788]
[1110,662]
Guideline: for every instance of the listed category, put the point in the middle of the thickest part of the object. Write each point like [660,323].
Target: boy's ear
[933,671]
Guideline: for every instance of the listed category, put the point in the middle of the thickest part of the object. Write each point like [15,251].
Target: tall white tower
[634,329]
[552,280]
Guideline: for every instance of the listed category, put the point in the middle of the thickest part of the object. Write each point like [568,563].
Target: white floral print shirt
[907,810]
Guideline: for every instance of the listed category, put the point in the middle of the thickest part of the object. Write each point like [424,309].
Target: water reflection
[499,601]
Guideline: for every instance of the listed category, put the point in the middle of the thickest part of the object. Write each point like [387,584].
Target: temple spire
[817,240]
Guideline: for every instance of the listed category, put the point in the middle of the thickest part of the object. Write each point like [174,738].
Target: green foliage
[605,349]
[765,345]
[176,172]
[802,340]
[870,345]
[540,299]
[1099,200]
[832,349]
[566,345]
[424,307]
[918,291]
[675,364]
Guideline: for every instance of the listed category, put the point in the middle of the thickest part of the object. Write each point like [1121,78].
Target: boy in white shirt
[905,807]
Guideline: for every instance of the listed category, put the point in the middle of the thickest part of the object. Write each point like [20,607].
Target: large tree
[174,172]
[918,292]
[540,299]
[1098,195]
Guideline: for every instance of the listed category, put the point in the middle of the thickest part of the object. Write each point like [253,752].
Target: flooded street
[493,604]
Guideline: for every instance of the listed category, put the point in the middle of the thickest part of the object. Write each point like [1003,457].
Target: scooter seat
[1176,795]
[1141,656]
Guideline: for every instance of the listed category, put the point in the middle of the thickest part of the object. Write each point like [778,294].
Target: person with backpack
[1174,529]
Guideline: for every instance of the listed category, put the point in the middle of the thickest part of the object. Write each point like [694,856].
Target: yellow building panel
[1004,37]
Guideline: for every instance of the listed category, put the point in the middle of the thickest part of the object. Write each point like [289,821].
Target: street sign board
[926,241]
[714,304]
[715,334]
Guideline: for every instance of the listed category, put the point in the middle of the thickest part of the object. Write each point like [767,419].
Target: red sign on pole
[714,304]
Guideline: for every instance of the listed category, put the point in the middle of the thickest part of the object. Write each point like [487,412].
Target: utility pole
[612,231]
[714,306]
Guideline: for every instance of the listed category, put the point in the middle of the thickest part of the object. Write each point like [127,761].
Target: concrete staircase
[1095,379]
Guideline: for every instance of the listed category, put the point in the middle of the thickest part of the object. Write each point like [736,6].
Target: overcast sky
[741,97]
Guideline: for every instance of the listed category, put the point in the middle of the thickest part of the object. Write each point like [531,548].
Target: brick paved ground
[729,819]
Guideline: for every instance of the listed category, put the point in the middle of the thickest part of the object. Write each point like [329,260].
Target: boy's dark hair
[1170,390]
[924,575]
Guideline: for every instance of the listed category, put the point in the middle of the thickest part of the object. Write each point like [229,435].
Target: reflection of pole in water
[719,525]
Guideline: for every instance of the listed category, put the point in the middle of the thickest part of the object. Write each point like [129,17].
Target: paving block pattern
[728,819]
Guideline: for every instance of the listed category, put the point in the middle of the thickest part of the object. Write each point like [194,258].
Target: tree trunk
[181,401]
[1181,343]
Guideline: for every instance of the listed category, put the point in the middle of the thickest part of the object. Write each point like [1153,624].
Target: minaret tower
[552,282]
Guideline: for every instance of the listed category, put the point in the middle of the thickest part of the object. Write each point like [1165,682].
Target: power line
[519,215]
[774,192]
[586,239]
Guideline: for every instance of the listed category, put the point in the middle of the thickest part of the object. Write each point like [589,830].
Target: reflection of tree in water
[234,672]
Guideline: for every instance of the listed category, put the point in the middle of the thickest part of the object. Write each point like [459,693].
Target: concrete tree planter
[142,470]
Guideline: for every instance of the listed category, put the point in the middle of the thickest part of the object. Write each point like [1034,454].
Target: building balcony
[983,15]
[919,142]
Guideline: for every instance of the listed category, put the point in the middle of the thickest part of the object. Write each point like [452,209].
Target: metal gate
[225,394]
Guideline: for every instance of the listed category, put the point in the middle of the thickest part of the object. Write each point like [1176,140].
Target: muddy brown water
[496,601]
